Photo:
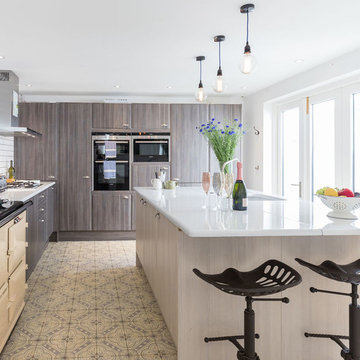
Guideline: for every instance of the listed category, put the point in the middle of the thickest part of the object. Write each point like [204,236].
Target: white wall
[258,106]
[6,153]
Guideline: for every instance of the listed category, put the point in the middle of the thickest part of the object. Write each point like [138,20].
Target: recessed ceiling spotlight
[2,57]
[169,86]
[244,87]
[28,85]
[117,86]
[298,61]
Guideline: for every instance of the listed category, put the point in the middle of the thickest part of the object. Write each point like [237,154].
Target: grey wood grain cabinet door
[111,211]
[36,158]
[111,116]
[141,174]
[75,167]
[221,113]
[189,150]
[145,117]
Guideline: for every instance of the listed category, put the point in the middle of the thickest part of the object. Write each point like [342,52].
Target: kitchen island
[175,235]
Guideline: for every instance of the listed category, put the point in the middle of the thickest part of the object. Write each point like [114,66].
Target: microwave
[151,148]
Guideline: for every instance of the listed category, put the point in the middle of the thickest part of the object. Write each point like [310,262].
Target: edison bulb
[200,94]
[247,64]
[220,84]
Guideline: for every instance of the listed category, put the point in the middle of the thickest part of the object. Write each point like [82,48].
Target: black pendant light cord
[219,54]
[200,83]
[247,27]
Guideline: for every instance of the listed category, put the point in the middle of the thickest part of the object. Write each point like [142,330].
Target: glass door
[356,141]
[291,150]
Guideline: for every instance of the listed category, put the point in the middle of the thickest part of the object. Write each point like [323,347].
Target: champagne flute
[218,185]
[229,186]
[206,185]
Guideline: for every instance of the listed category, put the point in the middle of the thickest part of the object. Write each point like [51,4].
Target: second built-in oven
[111,162]
[151,148]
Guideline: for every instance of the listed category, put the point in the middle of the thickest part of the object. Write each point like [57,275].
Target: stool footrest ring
[224,338]
[335,338]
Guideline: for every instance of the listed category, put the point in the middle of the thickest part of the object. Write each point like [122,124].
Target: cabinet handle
[42,209]
[164,125]
[125,197]
[51,177]
[144,203]
[86,177]
[26,244]
[157,216]
[125,125]
[141,201]
[42,220]
[42,196]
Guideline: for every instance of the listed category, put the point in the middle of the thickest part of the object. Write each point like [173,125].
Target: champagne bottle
[239,192]
[11,170]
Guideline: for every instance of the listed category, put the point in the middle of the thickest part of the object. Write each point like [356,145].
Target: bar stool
[269,278]
[349,273]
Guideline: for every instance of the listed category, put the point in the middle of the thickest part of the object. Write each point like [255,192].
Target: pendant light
[247,62]
[219,85]
[200,95]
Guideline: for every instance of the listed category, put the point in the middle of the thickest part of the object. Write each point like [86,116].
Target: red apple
[346,192]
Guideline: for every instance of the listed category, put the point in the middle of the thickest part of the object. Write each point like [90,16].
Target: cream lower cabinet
[12,274]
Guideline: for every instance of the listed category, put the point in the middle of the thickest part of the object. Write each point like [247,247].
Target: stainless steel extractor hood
[9,93]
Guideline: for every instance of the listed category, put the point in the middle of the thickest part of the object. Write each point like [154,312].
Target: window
[317,143]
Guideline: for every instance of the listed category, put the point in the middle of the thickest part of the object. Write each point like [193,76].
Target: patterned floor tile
[50,349]
[87,300]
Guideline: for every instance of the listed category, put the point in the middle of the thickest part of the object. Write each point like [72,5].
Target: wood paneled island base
[193,309]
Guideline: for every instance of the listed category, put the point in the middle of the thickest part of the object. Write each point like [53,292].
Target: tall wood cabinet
[189,151]
[75,166]
[150,117]
[42,164]
[111,116]
[223,113]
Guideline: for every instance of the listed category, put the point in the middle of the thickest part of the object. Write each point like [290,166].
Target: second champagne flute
[206,185]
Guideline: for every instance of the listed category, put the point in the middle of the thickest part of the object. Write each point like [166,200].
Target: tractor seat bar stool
[349,273]
[269,278]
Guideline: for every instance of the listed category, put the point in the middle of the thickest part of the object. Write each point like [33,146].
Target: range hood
[9,95]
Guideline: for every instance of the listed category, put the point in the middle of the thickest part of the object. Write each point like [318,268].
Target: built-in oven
[151,148]
[111,162]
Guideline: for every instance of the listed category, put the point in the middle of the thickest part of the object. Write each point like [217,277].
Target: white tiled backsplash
[6,153]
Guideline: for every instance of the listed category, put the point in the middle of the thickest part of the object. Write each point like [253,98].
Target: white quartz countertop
[265,216]
[24,194]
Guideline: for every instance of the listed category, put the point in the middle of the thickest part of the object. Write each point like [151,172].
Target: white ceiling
[88,46]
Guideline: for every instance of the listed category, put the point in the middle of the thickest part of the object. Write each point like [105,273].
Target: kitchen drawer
[3,254]
[16,291]
[17,241]
[4,323]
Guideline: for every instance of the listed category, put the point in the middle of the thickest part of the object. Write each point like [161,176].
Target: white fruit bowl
[342,207]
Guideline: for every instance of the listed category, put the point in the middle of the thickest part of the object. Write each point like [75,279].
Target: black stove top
[7,207]
[23,184]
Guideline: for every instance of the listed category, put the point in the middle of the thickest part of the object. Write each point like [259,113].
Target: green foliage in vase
[223,137]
